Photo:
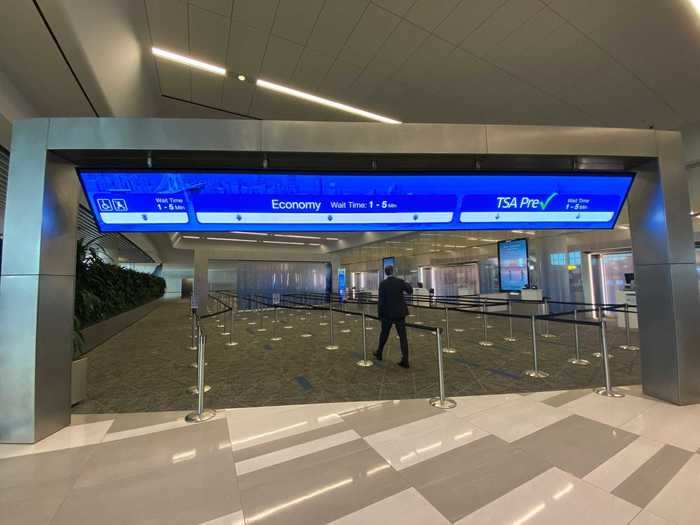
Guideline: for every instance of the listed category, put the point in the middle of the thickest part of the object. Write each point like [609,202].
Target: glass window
[575,258]
[557,259]
[615,266]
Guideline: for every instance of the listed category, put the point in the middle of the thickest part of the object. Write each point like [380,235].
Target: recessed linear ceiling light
[323,101]
[285,242]
[231,240]
[490,240]
[251,233]
[192,62]
[332,239]
[290,236]
[314,244]
[190,237]
[696,5]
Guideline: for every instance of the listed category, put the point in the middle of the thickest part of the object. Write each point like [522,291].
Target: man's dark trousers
[400,329]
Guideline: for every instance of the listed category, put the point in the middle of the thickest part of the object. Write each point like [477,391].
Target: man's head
[389,270]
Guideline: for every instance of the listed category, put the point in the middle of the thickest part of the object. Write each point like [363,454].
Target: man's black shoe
[377,356]
[403,364]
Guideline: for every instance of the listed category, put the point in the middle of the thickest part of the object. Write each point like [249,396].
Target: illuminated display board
[513,271]
[185,201]
[388,261]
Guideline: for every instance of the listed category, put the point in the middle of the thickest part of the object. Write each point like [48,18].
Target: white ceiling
[630,63]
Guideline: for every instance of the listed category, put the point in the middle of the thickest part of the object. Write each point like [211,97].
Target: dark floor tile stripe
[648,480]
[503,373]
[303,383]
[565,397]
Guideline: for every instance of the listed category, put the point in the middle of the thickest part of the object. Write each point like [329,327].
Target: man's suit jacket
[391,304]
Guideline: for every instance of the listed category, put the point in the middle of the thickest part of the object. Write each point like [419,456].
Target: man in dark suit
[392,310]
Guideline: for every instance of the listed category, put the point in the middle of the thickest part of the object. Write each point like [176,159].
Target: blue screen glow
[512,265]
[151,201]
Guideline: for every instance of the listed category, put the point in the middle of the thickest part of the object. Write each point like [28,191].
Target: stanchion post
[331,336]
[201,414]
[193,343]
[485,341]
[606,390]
[577,360]
[230,341]
[509,338]
[601,318]
[535,372]
[448,349]
[546,334]
[442,401]
[364,362]
[628,336]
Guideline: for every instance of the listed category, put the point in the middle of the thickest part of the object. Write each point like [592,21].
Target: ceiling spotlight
[241,78]
[323,101]
[188,61]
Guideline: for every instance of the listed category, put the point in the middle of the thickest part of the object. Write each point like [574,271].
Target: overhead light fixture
[228,239]
[314,244]
[696,5]
[332,239]
[190,237]
[251,233]
[285,242]
[188,61]
[290,236]
[490,240]
[242,78]
[279,88]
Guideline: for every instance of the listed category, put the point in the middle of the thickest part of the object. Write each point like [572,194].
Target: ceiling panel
[335,24]
[428,14]
[432,55]
[396,49]
[167,20]
[296,18]
[246,49]
[498,26]
[280,60]
[237,95]
[257,13]
[175,80]
[339,78]
[221,7]
[371,32]
[400,7]
[311,69]
[207,88]
[208,35]
[466,18]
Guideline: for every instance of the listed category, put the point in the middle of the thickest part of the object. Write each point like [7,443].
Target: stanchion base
[192,348]
[194,390]
[631,348]
[206,415]
[446,404]
[539,374]
[602,391]
[510,339]
[369,328]
[288,327]
[332,347]
[322,324]
[418,322]
[225,333]
[580,362]
[252,323]
[364,363]
[600,355]
[232,343]
[459,330]
[485,343]
[548,336]
[195,365]
[449,350]
[345,331]
[489,326]
[305,335]
[276,338]
[261,330]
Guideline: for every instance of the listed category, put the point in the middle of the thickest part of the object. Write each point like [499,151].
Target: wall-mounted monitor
[388,261]
[189,201]
[513,270]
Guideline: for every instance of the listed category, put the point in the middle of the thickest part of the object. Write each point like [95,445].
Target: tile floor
[543,458]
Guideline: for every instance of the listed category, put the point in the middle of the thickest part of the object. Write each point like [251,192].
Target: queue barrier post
[546,334]
[261,318]
[442,401]
[230,341]
[484,318]
[535,372]
[193,343]
[448,349]
[200,386]
[331,335]
[364,362]
[509,338]
[628,336]
[577,360]
[275,337]
[601,317]
[606,390]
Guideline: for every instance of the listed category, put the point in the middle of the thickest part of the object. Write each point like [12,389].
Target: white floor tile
[417,441]
[679,426]
[252,426]
[517,419]
[554,498]
[608,410]
[541,396]
[68,437]
[679,500]
[619,467]
[469,405]
[407,507]
[297,451]
[177,422]
[647,518]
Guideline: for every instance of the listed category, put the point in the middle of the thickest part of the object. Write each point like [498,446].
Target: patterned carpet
[147,366]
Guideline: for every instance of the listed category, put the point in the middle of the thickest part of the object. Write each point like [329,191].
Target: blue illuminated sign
[353,201]
[388,261]
[513,270]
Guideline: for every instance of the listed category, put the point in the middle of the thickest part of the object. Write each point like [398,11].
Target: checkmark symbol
[544,204]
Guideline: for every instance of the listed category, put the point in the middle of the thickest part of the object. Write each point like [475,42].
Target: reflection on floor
[562,457]
[147,367]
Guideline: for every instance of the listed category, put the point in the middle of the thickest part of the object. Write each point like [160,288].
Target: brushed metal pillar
[201,279]
[667,284]
[37,288]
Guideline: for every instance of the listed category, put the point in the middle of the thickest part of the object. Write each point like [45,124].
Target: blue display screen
[512,265]
[151,201]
